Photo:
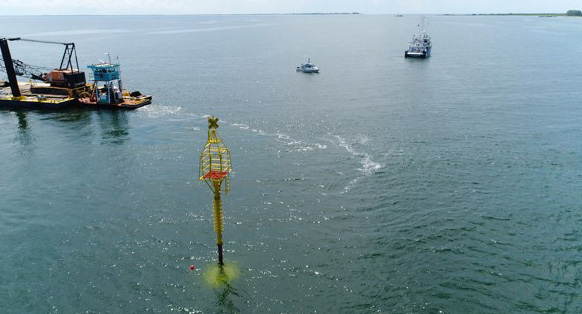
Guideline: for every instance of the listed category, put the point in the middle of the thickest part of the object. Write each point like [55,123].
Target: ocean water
[380,185]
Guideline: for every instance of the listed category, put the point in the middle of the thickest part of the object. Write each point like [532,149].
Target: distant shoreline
[513,14]
[305,13]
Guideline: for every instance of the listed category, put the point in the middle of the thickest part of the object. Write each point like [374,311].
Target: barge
[29,100]
[65,86]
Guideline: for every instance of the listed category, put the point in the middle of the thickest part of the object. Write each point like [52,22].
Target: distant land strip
[297,13]
[574,13]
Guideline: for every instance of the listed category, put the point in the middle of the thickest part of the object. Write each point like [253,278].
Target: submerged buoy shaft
[218,220]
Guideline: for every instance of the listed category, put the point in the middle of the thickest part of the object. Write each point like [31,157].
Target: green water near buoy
[218,275]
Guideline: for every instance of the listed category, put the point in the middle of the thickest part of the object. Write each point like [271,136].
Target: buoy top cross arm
[215,163]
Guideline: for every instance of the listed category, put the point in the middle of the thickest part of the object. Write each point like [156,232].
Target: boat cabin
[110,92]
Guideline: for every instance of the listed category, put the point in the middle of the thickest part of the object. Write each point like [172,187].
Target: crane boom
[68,54]
[66,75]
[40,41]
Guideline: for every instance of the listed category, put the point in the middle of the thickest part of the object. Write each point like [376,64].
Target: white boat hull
[307,67]
[313,70]
[417,54]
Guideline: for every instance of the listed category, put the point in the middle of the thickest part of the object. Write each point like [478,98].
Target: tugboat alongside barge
[111,94]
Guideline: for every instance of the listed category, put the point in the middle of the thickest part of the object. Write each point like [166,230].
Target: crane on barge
[67,79]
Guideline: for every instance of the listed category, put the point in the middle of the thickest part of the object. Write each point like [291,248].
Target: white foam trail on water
[282,136]
[159,111]
[294,145]
[175,113]
[241,126]
[369,166]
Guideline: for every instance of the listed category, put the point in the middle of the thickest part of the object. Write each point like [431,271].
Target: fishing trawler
[420,46]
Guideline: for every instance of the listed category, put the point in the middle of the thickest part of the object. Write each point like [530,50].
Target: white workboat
[308,67]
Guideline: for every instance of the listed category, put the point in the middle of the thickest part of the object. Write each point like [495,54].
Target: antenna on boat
[108,57]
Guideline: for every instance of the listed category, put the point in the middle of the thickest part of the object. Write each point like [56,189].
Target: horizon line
[294,13]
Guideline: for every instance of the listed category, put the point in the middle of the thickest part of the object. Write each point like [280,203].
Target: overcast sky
[123,7]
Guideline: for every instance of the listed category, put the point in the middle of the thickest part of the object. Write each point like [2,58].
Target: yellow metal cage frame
[215,165]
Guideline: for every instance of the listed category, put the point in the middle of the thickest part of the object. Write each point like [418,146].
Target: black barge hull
[14,104]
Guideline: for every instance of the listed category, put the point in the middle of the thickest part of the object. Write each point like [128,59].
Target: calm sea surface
[446,185]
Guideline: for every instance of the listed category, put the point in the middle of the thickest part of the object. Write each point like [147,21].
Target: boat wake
[368,165]
[160,110]
[293,145]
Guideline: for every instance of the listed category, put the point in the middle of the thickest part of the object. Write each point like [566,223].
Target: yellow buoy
[214,170]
